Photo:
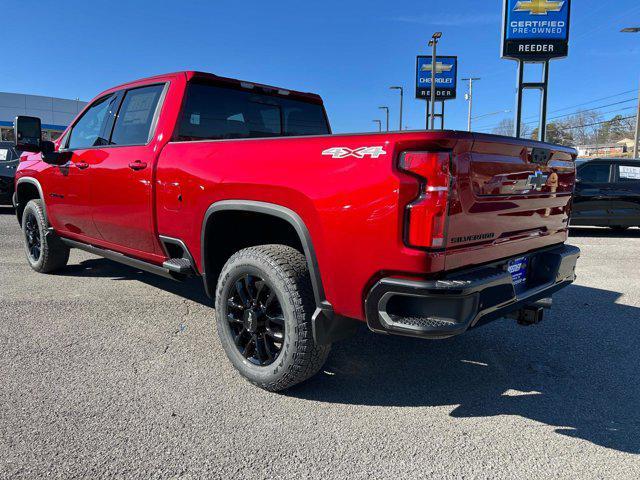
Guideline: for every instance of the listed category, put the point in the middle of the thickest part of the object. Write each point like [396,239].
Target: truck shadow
[6,210]
[578,372]
[191,289]
[603,232]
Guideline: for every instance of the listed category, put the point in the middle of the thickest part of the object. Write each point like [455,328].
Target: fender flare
[327,326]
[281,212]
[36,183]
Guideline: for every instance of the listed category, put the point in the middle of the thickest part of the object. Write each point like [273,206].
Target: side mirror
[50,156]
[28,134]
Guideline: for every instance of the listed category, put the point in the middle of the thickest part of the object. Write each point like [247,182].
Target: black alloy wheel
[32,233]
[45,251]
[264,315]
[256,319]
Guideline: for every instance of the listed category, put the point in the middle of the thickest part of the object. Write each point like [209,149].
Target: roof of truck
[192,74]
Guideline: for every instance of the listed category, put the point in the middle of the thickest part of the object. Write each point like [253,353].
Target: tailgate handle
[540,156]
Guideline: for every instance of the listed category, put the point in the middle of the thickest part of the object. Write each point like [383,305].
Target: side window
[133,124]
[91,129]
[629,174]
[598,173]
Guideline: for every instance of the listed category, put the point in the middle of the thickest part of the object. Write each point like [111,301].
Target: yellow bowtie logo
[440,67]
[539,7]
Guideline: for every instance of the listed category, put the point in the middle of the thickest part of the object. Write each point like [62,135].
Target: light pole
[434,44]
[636,146]
[386,109]
[401,102]
[470,97]
[379,122]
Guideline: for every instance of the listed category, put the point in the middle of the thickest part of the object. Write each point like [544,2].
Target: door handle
[82,165]
[138,165]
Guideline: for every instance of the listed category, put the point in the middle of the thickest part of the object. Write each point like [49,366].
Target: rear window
[133,124]
[595,173]
[213,113]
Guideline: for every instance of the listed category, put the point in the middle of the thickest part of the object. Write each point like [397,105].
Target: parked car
[298,234]
[607,193]
[9,159]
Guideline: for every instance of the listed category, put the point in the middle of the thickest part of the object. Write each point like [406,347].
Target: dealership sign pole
[446,82]
[535,31]
[636,145]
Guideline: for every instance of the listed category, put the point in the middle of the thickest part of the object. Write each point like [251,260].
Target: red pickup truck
[299,235]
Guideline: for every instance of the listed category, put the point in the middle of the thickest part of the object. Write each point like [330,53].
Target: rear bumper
[450,306]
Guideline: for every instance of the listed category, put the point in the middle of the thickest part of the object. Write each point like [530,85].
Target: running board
[179,265]
[120,258]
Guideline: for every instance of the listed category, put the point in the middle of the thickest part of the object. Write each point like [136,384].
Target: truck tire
[45,251]
[264,304]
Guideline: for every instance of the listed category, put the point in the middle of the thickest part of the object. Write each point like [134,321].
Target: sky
[349,51]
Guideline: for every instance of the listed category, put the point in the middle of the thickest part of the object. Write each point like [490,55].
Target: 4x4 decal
[344,152]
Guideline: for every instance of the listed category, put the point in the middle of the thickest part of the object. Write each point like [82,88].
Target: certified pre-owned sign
[536,30]
[446,69]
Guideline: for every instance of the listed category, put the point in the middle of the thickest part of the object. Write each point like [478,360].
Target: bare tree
[506,127]
[617,128]
[583,126]
[558,133]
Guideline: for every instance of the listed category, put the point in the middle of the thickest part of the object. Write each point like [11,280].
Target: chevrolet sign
[536,30]
[446,77]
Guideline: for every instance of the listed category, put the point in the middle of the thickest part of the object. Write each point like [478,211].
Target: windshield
[212,112]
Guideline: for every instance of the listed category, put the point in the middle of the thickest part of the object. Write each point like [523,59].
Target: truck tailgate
[508,197]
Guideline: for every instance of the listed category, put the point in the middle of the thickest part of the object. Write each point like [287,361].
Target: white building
[55,113]
[613,150]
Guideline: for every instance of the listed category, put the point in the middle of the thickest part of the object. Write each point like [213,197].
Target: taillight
[427,215]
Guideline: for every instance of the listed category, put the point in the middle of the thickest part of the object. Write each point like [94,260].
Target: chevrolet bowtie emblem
[440,67]
[539,7]
[537,181]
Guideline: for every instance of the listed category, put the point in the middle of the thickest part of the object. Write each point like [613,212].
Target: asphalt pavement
[108,372]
